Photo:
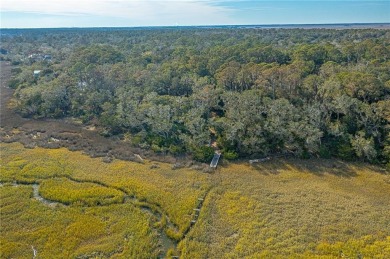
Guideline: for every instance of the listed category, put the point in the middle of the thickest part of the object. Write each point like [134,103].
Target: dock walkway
[215,160]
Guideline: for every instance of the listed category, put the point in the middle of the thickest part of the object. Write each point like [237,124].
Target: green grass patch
[68,192]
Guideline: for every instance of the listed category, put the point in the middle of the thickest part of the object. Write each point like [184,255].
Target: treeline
[256,92]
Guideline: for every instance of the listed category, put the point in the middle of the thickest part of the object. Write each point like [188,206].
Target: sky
[133,13]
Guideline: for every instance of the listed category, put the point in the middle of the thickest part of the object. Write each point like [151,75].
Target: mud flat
[66,132]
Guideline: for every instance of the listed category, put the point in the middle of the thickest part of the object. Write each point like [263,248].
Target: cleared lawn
[278,209]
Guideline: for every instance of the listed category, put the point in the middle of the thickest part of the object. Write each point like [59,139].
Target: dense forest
[256,92]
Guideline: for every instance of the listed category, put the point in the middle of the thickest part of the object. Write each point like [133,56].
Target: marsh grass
[278,209]
[289,209]
[85,184]
[66,191]
[175,191]
[70,232]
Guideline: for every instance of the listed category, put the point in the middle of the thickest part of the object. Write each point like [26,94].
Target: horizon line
[211,25]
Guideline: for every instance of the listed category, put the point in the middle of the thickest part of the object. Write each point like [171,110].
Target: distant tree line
[314,92]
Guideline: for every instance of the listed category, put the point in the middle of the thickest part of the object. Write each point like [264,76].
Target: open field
[279,209]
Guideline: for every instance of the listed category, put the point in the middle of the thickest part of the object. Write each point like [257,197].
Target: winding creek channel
[154,210]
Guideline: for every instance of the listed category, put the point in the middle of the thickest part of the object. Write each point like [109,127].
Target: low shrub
[230,155]
[203,154]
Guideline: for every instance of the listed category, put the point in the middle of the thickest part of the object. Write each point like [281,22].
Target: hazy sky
[127,13]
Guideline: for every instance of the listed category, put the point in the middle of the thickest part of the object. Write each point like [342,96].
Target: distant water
[301,26]
[5,31]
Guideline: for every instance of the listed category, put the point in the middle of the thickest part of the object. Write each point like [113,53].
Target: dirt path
[55,133]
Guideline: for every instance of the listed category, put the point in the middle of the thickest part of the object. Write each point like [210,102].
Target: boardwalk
[215,160]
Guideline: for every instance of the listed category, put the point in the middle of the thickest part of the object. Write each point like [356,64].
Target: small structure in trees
[34,57]
[37,73]
[47,57]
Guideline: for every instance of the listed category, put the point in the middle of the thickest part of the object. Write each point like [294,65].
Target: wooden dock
[259,160]
[215,160]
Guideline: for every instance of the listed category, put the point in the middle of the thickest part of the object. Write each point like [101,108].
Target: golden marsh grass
[278,209]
